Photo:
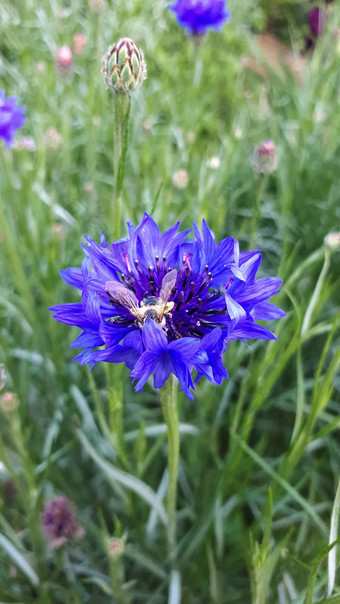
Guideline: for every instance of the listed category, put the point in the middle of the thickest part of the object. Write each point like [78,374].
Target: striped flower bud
[124,68]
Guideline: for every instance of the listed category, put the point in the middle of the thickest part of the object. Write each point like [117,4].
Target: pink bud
[79,41]
[64,58]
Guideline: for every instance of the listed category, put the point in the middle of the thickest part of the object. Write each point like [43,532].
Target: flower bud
[124,68]
[53,139]
[214,163]
[180,179]
[115,547]
[264,159]
[79,41]
[98,6]
[332,241]
[64,58]
[9,402]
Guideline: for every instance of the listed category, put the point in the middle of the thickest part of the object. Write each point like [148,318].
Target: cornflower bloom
[164,305]
[198,15]
[59,522]
[11,118]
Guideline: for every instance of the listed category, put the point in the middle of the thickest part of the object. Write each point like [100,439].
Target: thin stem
[121,141]
[170,412]
[316,294]
[257,210]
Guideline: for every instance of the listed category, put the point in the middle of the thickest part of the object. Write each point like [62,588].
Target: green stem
[257,210]
[316,294]
[170,412]
[121,141]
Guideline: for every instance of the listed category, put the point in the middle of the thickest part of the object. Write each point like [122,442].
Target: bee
[153,307]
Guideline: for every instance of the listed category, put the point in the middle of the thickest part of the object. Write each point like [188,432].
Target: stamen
[165,265]
[127,262]
[157,263]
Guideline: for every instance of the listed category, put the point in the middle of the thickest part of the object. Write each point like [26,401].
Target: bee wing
[121,295]
[168,283]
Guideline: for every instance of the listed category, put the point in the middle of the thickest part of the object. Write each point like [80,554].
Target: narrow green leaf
[332,537]
[175,588]
[19,559]
[125,479]
[281,481]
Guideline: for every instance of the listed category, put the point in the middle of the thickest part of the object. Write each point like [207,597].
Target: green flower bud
[124,68]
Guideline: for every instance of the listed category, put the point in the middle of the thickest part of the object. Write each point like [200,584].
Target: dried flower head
[180,179]
[11,118]
[163,304]
[115,547]
[53,139]
[59,522]
[9,402]
[264,159]
[332,241]
[197,16]
[123,66]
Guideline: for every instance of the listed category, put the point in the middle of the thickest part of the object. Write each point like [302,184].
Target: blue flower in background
[166,303]
[198,15]
[11,118]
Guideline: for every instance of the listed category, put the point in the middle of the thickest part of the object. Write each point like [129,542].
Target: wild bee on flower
[153,307]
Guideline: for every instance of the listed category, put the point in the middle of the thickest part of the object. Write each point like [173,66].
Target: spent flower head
[123,67]
[59,522]
[199,15]
[264,160]
[11,118]
[163,303]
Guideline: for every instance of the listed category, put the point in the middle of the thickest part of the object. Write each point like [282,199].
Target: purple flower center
[191,309]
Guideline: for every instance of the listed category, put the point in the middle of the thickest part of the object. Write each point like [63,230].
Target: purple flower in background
[59,522]
[316,19]
[198,15]
[163,304]
[11,118]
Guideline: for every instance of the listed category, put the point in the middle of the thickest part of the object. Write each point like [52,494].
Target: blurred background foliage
[259,456]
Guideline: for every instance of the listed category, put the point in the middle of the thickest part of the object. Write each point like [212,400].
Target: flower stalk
[169,403]
[122,106]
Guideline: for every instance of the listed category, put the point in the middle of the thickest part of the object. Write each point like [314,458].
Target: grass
[259,464]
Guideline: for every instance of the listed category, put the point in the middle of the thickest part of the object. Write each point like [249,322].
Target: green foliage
[260,455]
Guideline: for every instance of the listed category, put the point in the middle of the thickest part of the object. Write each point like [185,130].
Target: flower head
[11,118]
[163,304]
[79,41]
[59,522]
[264,159]
[316,21]
[123,66]
[198,15]
[9,402]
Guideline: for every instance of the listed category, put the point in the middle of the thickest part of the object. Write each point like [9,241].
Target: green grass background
[260,456]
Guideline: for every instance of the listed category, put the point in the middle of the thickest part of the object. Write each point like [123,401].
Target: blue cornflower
[198,15]
[163,303]
[11,118]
